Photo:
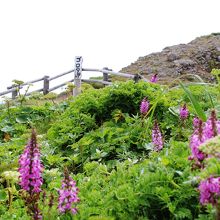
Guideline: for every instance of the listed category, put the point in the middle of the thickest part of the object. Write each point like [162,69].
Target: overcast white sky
[42,37]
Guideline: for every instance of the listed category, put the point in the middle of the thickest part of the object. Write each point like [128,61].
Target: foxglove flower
[144,107]
[184,113]
[209,190]
[68,194]
[157,138]
[30,169]
[154,78]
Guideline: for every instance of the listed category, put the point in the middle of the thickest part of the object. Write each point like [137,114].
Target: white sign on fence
[77,75]
[78,67]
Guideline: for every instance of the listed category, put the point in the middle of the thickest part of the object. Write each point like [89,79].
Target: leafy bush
[152,189]
[125,97]
[14,121]
[100,106]
[70,128]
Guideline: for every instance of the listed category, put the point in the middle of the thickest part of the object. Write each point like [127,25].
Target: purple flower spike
[212,126]
[154,78]
[157,138]
[30,169]
[209,190]
[203,132]
[68,194]
[144,107]
[196,121]
[184,113]
[196,140]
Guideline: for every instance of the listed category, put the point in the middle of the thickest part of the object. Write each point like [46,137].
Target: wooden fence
[77,76]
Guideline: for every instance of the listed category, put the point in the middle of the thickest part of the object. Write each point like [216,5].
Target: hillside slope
[199,56]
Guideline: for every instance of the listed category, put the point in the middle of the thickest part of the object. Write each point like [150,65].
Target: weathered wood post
[14,93]
[105,75]
[77,75]
[136,78]
[46,85]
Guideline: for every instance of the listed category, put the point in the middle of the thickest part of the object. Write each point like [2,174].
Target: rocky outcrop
[199,57]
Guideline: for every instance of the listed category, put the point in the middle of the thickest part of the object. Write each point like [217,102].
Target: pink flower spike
[144,107]
[184,113]
[68,194]
[203,132]
[157,138]
[30,167]
[154,78]
[212,126]
[196,140]
[196,122]
[210,191]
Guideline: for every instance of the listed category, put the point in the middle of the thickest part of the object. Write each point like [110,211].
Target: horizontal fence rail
[8,91]
[13,89]
[96,81]
[59,75]
[26,83]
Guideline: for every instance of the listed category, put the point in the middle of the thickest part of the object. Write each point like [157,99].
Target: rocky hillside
[199,57]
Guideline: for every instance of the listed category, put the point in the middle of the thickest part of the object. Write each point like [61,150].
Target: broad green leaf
[7,129]
[22,119]
[194,102]
[205,89]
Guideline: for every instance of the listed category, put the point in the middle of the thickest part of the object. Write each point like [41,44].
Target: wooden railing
[46,81]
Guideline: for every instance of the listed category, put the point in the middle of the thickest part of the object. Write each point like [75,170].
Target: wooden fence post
[14,93]
[136,78]
[46,85]
[105,75]
[77,75]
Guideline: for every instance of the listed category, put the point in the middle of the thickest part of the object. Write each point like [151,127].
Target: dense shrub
[70,128]
[155,188]
[125,97]
[100,106]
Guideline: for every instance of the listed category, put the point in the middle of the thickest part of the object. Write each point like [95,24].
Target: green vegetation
[106,144]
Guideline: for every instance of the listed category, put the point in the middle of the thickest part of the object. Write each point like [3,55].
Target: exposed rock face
[199,57]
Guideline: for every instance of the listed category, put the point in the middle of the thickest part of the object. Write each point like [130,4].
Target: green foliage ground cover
[106,144]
